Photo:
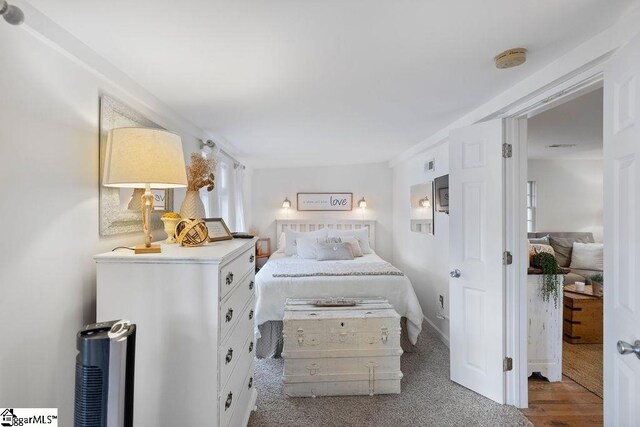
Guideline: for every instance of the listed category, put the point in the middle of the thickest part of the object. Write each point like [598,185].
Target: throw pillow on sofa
[587,256]
[563,246]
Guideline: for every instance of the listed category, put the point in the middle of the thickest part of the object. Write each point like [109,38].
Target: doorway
[564,197]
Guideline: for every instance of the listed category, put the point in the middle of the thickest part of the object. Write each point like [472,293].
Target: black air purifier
[104,374]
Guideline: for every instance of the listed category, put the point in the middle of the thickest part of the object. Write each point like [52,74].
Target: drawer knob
[252,258]
[229,315]
[251,285]
[229,279]
[227,404]
[250,314]
[229,356]
[251,347]
[250,382]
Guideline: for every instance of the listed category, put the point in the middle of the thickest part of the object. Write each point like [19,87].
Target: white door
[476,287]
[622,235]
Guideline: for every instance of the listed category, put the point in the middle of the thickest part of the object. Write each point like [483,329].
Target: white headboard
[312,225]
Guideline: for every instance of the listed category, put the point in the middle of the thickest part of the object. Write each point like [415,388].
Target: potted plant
[550,279]
[597,283]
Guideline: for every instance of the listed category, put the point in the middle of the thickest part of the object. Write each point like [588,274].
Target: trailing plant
[551,284]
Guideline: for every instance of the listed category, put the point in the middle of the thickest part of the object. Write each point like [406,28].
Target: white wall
[570,196]
[49,214]
[373,181]
[424,258]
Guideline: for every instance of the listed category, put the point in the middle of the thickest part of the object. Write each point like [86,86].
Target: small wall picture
[444,197]
[218,230]
[263,247]
[442,193]
[325,201]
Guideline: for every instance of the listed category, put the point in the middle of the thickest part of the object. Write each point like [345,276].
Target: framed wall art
[325,201]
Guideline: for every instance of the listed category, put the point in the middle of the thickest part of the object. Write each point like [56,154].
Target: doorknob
[454,273]
[626,348]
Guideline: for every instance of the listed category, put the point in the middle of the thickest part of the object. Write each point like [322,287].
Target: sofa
[575,275]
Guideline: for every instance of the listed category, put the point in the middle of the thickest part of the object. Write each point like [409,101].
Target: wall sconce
[286,203]
[362,203]
[425,203]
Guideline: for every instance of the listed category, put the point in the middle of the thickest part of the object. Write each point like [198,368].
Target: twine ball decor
[191,232]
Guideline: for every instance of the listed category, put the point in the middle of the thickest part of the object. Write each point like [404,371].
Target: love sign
[325,201]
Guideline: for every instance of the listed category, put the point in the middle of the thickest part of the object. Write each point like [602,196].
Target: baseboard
[441,335]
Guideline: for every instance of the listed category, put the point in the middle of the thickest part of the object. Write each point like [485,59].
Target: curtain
[238,192]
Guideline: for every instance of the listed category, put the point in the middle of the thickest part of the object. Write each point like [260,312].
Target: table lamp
[144,158]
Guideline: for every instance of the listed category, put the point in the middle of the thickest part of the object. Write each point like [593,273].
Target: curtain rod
[209,143]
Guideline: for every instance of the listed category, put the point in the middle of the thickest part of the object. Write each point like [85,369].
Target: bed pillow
[292,236]
[307,247]
[334,251]
[355,245]
[361,234]
[563,246]
[282,242]
[587,256]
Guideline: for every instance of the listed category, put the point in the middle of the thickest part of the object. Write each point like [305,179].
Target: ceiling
[578,122]
[298,83]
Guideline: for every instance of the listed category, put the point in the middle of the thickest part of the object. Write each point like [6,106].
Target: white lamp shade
[139,156]
[362,203]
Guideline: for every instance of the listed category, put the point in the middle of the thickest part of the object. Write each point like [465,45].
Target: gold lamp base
[142,249]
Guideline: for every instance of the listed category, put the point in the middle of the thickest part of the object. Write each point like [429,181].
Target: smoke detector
[511,58]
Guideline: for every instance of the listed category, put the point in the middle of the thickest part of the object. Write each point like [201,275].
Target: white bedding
[272,292]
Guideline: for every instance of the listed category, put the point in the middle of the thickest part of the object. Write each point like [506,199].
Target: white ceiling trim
[591,54]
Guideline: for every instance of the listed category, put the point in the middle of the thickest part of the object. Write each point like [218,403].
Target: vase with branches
[551,284]
[200,174]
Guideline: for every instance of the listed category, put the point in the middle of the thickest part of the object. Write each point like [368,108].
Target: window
[224,193]
[531,206]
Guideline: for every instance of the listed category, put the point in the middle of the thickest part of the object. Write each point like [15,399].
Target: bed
[363,277]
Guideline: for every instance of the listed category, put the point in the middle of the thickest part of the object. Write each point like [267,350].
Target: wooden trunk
[582,319]
[333,351]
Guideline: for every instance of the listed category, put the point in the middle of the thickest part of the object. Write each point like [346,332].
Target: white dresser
[194,309]
[544,348]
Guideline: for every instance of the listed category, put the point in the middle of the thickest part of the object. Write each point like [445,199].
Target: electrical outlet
[442,302]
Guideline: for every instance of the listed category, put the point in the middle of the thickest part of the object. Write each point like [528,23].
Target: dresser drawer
[243,408]
[231,393]
[235,270]
[239,344]
[232,306]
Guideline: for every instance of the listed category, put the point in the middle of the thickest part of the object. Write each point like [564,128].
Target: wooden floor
[563,403]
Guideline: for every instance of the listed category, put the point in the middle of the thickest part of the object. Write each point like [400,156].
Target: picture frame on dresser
[218,230]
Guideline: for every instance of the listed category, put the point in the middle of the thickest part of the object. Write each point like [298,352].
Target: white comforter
[272,292]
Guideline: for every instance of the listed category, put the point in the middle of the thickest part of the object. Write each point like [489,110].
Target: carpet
[583,364]
[428,398]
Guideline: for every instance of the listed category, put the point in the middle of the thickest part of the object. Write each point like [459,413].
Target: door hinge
[507,150]
[507,258]
[507,364]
